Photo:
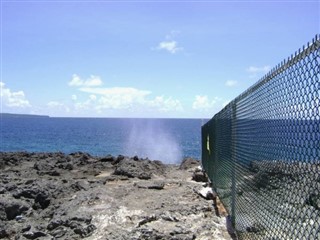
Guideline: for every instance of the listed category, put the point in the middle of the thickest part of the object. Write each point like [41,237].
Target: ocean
[167,140]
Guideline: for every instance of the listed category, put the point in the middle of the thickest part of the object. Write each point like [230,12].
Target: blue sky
[183,59]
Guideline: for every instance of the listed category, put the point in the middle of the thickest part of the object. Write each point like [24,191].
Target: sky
[159,59]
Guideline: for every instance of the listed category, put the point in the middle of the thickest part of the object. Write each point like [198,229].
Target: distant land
[15,115]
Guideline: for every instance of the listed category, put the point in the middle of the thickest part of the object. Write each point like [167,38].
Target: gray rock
[10,208]
[151,185]
[26,228]
[188,163]
[34,235]
[199,176]
[43,166]
[42,200]
[55,223]
[31,192]
[84,231]
[108,158]
[3,231]
[142,169]
[81,185]
[73,205]
[59,232]
[2,190]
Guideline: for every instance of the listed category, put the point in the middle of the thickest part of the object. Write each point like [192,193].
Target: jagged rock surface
[75,196]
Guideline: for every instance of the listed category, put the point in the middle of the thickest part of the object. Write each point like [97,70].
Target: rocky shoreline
[79,196]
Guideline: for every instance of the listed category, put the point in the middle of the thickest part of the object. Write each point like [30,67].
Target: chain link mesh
[262,152]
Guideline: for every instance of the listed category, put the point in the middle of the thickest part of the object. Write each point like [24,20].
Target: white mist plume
[149,138]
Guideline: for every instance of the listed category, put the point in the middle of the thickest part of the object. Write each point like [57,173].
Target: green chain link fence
[262,152]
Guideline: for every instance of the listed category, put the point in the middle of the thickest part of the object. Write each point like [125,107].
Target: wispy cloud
[13,99]
[117,97]
[231,83]
[165,104]
[129,98]
[116,91]
[92,81]
[255,70]
[170,44]
[203,103]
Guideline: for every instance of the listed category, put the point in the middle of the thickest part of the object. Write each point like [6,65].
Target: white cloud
[117,97]
[203,103]
[89,104]
[120,98]
[205,107]
[13,99]
[93,97]
[93,81]
[231,83]
[116,91]
[255,70]
[170,46]
[166,104]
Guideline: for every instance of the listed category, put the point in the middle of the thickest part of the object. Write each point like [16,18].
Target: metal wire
[262,152]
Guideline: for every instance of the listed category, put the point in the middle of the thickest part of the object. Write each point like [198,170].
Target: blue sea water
[168,140]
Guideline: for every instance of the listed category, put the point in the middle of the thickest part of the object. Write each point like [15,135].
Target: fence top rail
[310,47]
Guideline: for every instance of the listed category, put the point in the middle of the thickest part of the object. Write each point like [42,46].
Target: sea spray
[152,139]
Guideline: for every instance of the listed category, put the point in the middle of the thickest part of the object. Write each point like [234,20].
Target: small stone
[118,159]
[34,235]
[15,208]
[42,200]
[54,224]
[108,158]
[29,181]
[168,217]
[19,218]
[199,177]
[59,232]
[188,163]
[3,233]
[85,231]
[86,218]
[81,185]
[151,185]
[206,193]
[26,228]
